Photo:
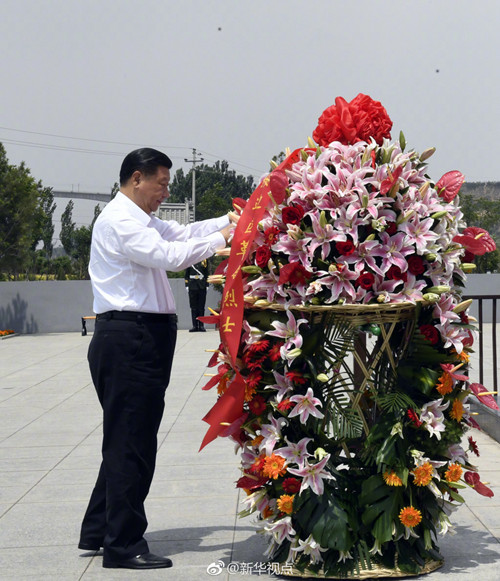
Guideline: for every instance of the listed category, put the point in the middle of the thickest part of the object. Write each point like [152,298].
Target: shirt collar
[133,209]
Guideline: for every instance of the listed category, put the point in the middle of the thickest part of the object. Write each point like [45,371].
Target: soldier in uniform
[195,278]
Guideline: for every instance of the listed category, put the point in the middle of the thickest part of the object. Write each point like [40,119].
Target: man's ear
[136,178]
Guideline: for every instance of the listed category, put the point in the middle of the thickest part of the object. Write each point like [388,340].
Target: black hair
[145,160]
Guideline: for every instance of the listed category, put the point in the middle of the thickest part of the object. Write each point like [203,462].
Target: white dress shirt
[131,251]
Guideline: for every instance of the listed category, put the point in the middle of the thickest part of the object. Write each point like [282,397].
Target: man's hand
[233,217]
[227,232]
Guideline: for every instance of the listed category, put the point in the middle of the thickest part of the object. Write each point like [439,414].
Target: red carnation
[391,228]
[394,273]
[262,256]
[345,248]
[291,485]
[294,273]
[430,333]
[413,417]
[292,214]
[349,123]
[416,264]
[366,280]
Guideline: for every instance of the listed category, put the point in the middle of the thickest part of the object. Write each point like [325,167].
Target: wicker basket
[377,572]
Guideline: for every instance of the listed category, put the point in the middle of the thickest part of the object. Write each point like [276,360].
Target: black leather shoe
[146,561]
[89,545]
[193,330]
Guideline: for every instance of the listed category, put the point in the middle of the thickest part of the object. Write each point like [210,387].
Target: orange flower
[267,512]
[457,410]
[454,473]
[392,479]
[274,466]
[423,474]
[221,388]
[463,356]
[445,383]
[249,391]
[285,503]
[410,516]
[256,441]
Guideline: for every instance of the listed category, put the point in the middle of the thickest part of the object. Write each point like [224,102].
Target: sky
[85,82]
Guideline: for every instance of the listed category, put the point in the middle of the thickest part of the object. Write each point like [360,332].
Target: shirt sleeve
[146,246]
[171,230]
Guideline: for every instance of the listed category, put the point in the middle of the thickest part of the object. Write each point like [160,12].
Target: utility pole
[194,161]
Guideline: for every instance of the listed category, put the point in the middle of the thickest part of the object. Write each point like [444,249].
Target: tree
[216,186]
[67,235]
[18,213]
[483,213]
[44,229]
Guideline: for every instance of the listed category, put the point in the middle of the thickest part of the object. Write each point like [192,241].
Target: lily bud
[293,352]
[423,188]
[322,377]
[370,237]
[431,257]
[441,288]
[250,269]
[431,297]
[468,267]
[322,219]
[427,153]
[463,306]
[216,279]
[438,215]
[341,300]
[332,268]
[261,303]
[304,155]
[320,453]
[273,164]
[310,143]
[402,140]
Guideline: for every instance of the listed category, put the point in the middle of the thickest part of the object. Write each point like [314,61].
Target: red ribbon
[229,406]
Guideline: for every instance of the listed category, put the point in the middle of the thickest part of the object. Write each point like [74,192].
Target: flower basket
[341,373]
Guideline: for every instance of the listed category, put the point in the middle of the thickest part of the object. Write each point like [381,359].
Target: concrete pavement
[50,429]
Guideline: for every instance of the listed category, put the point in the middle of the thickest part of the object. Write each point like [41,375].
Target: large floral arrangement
[347,470]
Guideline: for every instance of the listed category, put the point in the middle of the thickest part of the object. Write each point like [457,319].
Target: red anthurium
[251,482]
[387,184]
[234,430]
[487,400]
[239,204]
[451,369]
[278,183]
[476,240]
[449,185]
[473,479]
[221,269]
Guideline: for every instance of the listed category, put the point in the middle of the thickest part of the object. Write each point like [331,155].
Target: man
[130,355]
[195,278]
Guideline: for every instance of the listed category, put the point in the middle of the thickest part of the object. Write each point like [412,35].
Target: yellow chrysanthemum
[445,383]
[285,503]
[392,479]
[423,474]
[410,516]
[454,473]
[274,466]
[267,512]
[463,356]
[457,410]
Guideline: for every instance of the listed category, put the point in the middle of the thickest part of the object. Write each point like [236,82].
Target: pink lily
[306,406]
[313,475]
[295,452]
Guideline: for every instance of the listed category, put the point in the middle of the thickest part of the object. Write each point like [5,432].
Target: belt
[137,316]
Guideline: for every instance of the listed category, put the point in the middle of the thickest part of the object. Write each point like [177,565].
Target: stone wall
[57,306]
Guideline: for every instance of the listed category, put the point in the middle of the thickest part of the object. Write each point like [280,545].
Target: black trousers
[197,299]
[130,363]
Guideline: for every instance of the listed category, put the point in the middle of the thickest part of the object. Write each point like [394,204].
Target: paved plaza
[50,430]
